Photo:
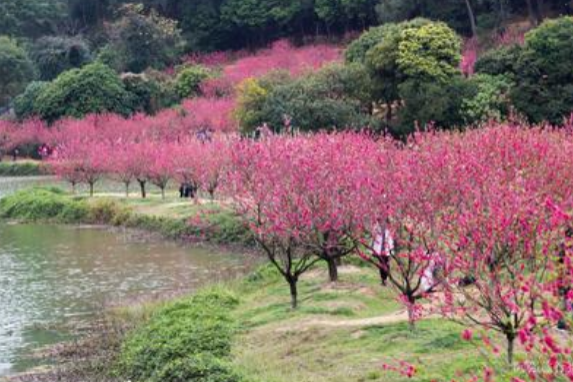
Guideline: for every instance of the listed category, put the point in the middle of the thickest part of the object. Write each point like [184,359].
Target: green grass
[334,337]
[20,168]
[172,218]
[186,340]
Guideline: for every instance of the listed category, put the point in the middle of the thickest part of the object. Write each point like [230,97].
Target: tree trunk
[163,193]
[332,269]
[530,12]
[293,294]
[472,18]
[411,316]
[127,190]
[539,11]
[142,187]
[510,348]
[91,189]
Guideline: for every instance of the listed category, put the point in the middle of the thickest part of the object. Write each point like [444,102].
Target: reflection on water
[50,275]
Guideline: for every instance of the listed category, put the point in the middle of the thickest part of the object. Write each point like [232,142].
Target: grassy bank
[20,168]
[172,219]
[247,332]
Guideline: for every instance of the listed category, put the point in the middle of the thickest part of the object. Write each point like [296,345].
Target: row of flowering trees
[474,226]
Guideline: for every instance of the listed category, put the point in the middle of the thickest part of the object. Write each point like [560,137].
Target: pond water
[51,276]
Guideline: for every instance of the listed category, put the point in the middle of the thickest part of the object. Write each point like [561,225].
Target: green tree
[144,92]
[54,55]
[440,103]
[30,18]
[502,61]
[544,74]
[26,104]
[189,79]
[429,52]
[93,89]
[16,69]
[401,59]
[333,98]
[142,40]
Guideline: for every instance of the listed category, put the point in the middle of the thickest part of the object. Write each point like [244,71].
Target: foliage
[502,61]
[30,18]
[16,69]
[93,89]
[144,92]
[333,98]
[491,100]
[54,55]
[200,368]
[144,40]
[26,104]
[189,80]
[544,89]
[356,51]
[251,97]
[195,333]
[42,204]
[432,102]
[430,52]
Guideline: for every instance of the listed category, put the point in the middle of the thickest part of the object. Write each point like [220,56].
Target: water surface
[52,275]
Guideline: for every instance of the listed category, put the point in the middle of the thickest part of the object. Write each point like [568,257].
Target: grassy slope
[343,332]
[340,334]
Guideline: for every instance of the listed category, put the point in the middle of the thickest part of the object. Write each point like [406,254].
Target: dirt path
[394,318]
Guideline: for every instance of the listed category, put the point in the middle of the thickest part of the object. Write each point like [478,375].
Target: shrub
[189,80]
[199,368]
[183,333]
[93,89]
[107,211]
[43,204]
[491,100]
[56,54]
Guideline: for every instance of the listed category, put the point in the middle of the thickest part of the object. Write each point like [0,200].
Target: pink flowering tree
[266,192]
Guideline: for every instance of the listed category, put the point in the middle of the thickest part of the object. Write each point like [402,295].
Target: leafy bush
[56,54]
[200,368]
[189,80]
[491,100]
[43,204]
[181,339]
[93,89]
[108,211]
